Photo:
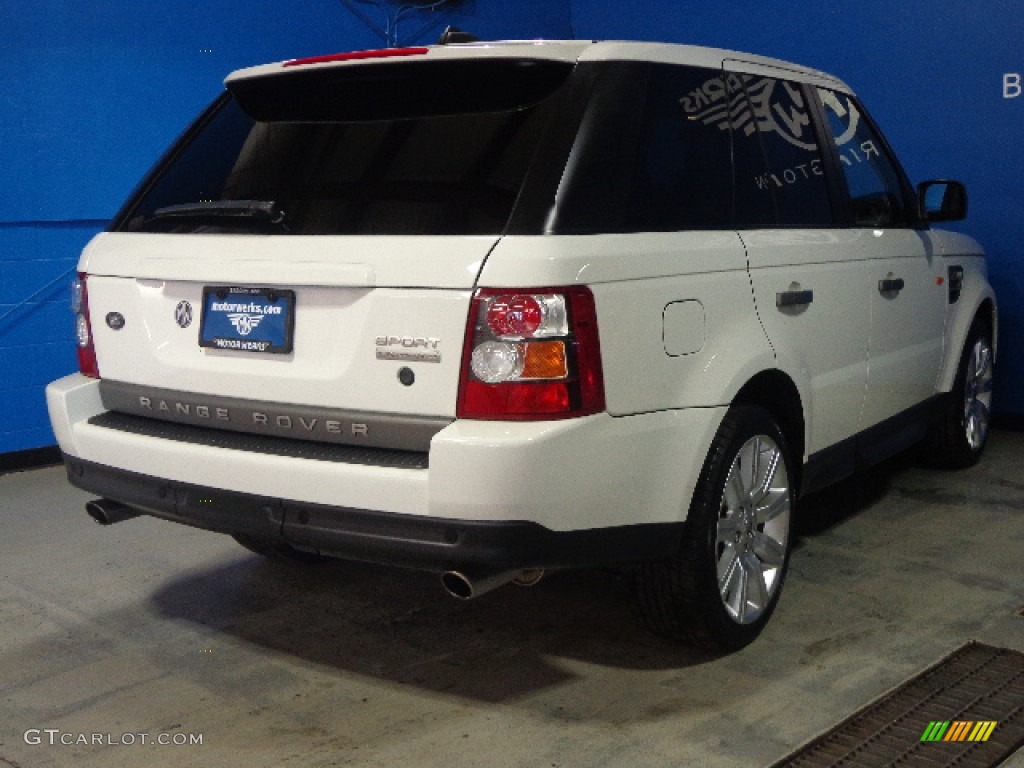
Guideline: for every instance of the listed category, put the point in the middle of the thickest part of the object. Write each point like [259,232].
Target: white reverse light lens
[76,295]
[82,330]
[497,361]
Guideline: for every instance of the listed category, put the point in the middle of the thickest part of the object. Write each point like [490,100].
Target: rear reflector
[383,53]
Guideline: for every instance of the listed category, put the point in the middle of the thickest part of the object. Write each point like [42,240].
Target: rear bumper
[590,491]
[381,537]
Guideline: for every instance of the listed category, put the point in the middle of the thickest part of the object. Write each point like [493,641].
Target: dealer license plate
[247,319]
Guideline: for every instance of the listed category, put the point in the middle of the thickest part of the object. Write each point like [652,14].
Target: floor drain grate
[966,711]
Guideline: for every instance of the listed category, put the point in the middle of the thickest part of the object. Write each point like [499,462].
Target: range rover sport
[492,309]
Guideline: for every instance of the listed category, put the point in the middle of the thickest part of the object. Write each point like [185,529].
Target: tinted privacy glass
[643,161]
[872,180]
[392,151]
[669,148]
[775,118]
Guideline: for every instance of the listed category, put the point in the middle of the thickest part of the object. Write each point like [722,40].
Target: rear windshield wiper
[255,210]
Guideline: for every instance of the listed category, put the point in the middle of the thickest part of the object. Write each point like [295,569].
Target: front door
[906,282]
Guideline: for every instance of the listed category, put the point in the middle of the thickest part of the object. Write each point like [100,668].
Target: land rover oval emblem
[183,314]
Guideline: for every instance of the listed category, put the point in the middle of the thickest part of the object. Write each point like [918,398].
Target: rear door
[809,278]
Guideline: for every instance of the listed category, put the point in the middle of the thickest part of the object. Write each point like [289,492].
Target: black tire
[277,550]
[681,598]
[958,437]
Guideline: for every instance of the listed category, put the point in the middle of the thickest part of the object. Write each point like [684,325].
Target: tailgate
[363,310]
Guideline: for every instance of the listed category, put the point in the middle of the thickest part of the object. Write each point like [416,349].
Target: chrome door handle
[794,298]
[891,285]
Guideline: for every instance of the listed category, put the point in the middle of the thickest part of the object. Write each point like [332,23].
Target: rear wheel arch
[776,392]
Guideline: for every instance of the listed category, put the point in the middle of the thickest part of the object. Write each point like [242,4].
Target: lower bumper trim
[379,537]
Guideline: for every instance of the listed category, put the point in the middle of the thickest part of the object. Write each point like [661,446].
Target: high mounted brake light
[531,354]
[383,53]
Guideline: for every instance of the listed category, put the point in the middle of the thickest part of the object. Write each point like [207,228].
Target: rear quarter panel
[651,362]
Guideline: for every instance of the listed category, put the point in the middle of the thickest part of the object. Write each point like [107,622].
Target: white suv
[496,308]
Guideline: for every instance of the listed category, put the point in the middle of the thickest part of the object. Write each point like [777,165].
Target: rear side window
[405,149]
[670,148]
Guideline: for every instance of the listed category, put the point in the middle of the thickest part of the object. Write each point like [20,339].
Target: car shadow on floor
[399,625]
[826,509]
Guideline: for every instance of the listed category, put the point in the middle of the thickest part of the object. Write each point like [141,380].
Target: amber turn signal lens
[545,360]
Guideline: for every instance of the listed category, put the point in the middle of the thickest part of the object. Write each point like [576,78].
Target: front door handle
[891,285]
[794,298]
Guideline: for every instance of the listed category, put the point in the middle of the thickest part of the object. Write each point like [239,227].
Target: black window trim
[842,213]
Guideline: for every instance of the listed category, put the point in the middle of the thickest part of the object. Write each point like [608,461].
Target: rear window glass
[424,148]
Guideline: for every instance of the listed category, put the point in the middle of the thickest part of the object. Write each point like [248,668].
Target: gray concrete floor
[151,628]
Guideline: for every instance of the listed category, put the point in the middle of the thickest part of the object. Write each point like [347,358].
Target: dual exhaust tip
[463,585]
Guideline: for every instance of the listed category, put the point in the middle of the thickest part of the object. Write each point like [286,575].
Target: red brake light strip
[383,53]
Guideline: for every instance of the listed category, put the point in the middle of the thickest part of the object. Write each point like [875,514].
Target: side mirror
[942,200]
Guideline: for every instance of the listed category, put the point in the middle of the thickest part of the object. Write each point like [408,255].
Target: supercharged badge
[413,349]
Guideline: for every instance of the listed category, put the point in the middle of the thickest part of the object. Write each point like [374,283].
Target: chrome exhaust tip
[108,512]
[467,585]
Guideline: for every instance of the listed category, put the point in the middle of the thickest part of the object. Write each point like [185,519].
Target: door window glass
[776,114]
[872,180]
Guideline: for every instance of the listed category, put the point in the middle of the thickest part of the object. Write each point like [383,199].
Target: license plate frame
[246,319]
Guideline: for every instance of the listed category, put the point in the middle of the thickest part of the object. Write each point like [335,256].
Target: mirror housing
[941,200]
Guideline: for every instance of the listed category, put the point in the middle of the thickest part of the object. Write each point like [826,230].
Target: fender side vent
[956,283]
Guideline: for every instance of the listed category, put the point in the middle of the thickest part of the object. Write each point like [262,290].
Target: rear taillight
[83,328]
[531,353]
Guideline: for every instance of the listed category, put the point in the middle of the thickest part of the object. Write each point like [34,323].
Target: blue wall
[92,93]
[930,71]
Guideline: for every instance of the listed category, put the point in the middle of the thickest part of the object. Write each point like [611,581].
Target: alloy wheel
[978,394]
[753,529]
